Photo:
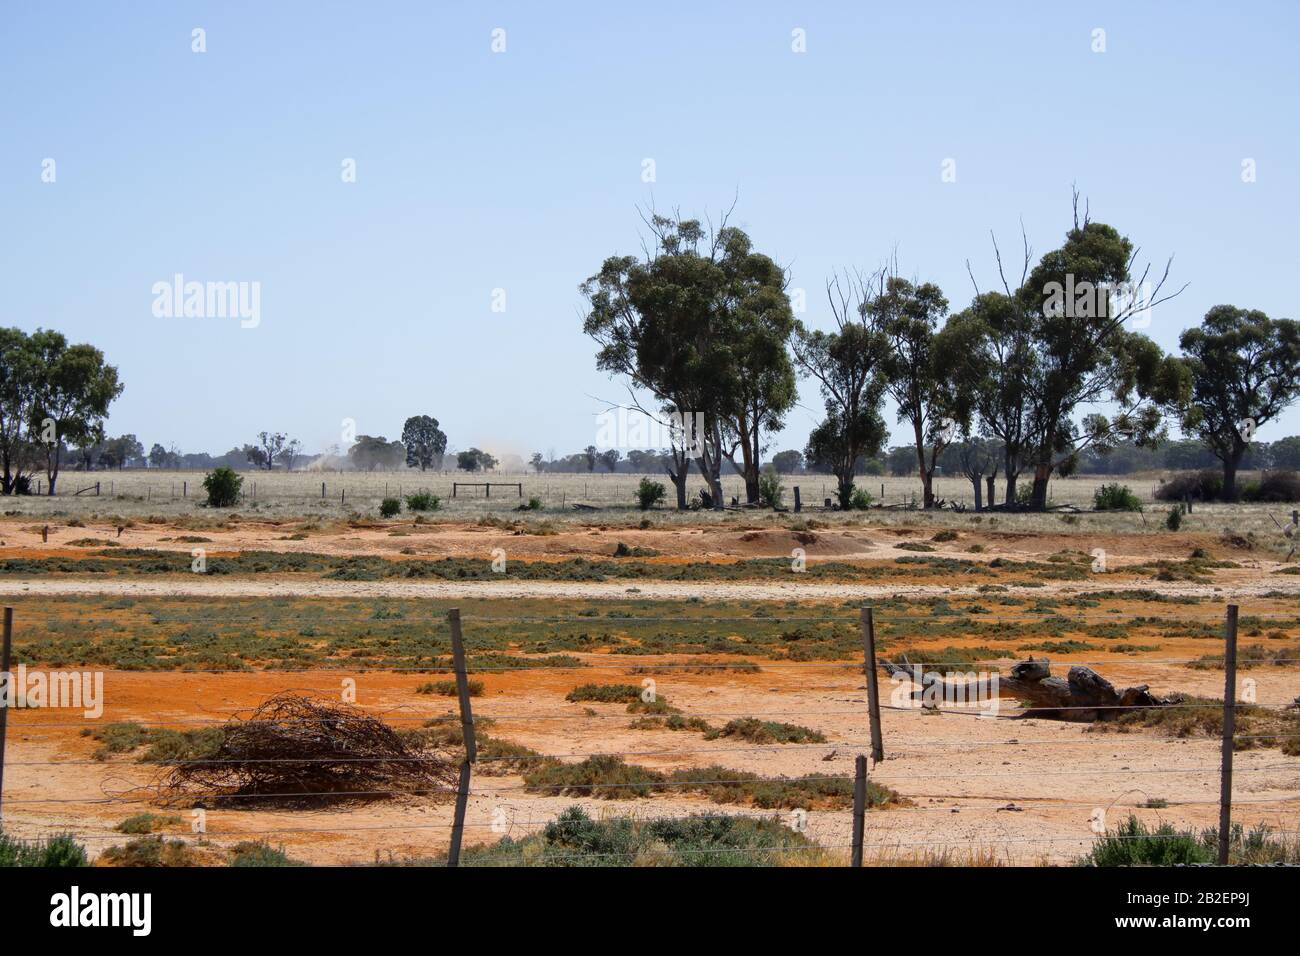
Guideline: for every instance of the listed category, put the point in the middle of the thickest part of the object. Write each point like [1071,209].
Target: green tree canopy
[425,442]
[1245,369]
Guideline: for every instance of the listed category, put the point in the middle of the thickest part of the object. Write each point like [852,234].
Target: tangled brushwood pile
[295,751]
[1082,696]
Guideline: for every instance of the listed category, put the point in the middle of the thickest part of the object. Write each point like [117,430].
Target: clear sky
[521,170]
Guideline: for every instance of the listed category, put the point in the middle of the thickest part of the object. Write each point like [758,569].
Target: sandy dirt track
[595,590]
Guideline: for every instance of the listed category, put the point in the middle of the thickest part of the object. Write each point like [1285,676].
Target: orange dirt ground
[1026,789]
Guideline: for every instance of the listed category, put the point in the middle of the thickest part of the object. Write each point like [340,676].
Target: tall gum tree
[1066,329]
[848,365]
[699,323]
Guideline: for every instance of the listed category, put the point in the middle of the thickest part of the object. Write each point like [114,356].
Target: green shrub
[1133,843]
[534,504]
[260,853]
[1175,519]
[574,839]
[143,823]
[650,493]
[605,693]
[608,777]
[767,732]
[423,501]
[860,500]
[1116,497]
[389,507]
[770,490]
[58,851]
[223,487]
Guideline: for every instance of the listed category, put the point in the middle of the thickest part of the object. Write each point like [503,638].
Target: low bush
[58,851]
[860,500]
[770,490]
[1204,485]
[1116,497]
[447,688]
[767,732]
[423,501]
[605,693]
[150,851]
[609,777]
[650,493]
[1273,486]
[390,507]
[140,824]
[223,487]
[260,853]
[575,839]
[1133,843]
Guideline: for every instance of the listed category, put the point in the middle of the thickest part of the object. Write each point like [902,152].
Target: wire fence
[1013,784]
[599,487]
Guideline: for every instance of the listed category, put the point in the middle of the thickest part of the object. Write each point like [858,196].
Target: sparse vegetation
[575,839]
[447,688]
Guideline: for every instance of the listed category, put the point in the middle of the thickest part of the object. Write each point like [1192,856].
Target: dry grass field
[300,491]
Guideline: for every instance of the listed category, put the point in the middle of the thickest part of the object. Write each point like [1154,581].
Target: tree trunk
[1230,465]
[927,476]
[979,501]
[993,487]
[1038,499]
[844,490]
[678,473]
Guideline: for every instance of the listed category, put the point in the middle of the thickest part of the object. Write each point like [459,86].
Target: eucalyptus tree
[698,322]
[1245,369]
[849,365]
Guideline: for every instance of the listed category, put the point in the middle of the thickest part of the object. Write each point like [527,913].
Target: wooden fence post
[467,732]
[798,502]
[859,807]
[9,695]
[1229,728]
[873,686]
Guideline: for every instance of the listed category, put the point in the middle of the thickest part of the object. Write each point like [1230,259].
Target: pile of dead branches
[296,751]
[1083,695]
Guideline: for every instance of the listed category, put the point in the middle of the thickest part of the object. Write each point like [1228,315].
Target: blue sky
[522,170]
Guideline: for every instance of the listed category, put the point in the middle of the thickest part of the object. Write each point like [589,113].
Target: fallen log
[1083,696]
